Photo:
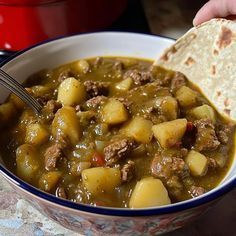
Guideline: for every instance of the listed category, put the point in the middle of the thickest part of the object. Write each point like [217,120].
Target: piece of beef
[139,77]
[183,152]
[118,150]
[50,109]
[51,156]
[128,171]
[95,88]
[164,166]
[97,62]
[212,163]
[172,171]
[95,102]
[206,139]
[118,66]
[64,75]
[42,101]
[223,133]
[166,81]
[53,106]
[177,81]
[196,191]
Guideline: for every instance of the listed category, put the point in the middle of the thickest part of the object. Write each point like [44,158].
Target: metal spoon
[8,82]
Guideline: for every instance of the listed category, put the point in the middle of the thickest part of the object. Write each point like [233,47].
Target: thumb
[215,8]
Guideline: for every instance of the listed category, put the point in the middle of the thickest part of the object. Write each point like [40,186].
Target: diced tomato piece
[98,159]
[189,126]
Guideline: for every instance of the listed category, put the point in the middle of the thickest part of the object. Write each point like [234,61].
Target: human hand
[216,8]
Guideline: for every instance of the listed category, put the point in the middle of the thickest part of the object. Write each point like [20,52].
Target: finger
[215,8]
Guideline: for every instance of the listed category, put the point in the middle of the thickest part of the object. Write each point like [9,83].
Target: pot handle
[4,54]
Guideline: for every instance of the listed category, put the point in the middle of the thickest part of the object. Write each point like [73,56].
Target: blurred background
[171,18]
[25,22]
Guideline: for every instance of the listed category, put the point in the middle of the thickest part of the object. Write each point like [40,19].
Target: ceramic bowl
[86,219]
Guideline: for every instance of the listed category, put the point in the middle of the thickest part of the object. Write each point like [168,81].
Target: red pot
[26,22]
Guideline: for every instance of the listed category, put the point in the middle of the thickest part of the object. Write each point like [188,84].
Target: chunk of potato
[18,103]
[82,66]
[36,134]
[27,162]
[149,192]
[71,92]
[168,107]
[27,117]
[203,112]
[124,85]
[99,180]
[49,180]
[40,90]
[65,125]
[186,96]
[114,112]
[7,112]
[139,128]
[170,132]
[197,163]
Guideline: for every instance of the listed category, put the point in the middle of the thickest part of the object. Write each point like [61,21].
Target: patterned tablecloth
[17,218]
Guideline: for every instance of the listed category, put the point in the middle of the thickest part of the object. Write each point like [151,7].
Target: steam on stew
[116,132]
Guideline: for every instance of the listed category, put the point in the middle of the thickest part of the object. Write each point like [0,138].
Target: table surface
[169,18]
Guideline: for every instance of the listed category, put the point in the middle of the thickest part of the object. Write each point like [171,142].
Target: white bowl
[100,220]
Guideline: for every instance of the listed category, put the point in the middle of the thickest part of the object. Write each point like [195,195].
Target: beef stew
[116,132]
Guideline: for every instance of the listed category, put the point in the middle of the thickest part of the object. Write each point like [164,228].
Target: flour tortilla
[206,55]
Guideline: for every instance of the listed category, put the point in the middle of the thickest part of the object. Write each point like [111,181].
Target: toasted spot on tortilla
[226,102]
[213,69]
[218,93]
[216,52]
[166,56]
[173,50]
[227,111]
[225,37]
[189,61]
[192,36]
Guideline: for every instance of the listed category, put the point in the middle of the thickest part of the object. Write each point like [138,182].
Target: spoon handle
[8,82]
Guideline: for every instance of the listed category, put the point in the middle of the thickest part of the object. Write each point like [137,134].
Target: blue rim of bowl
[172,208]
